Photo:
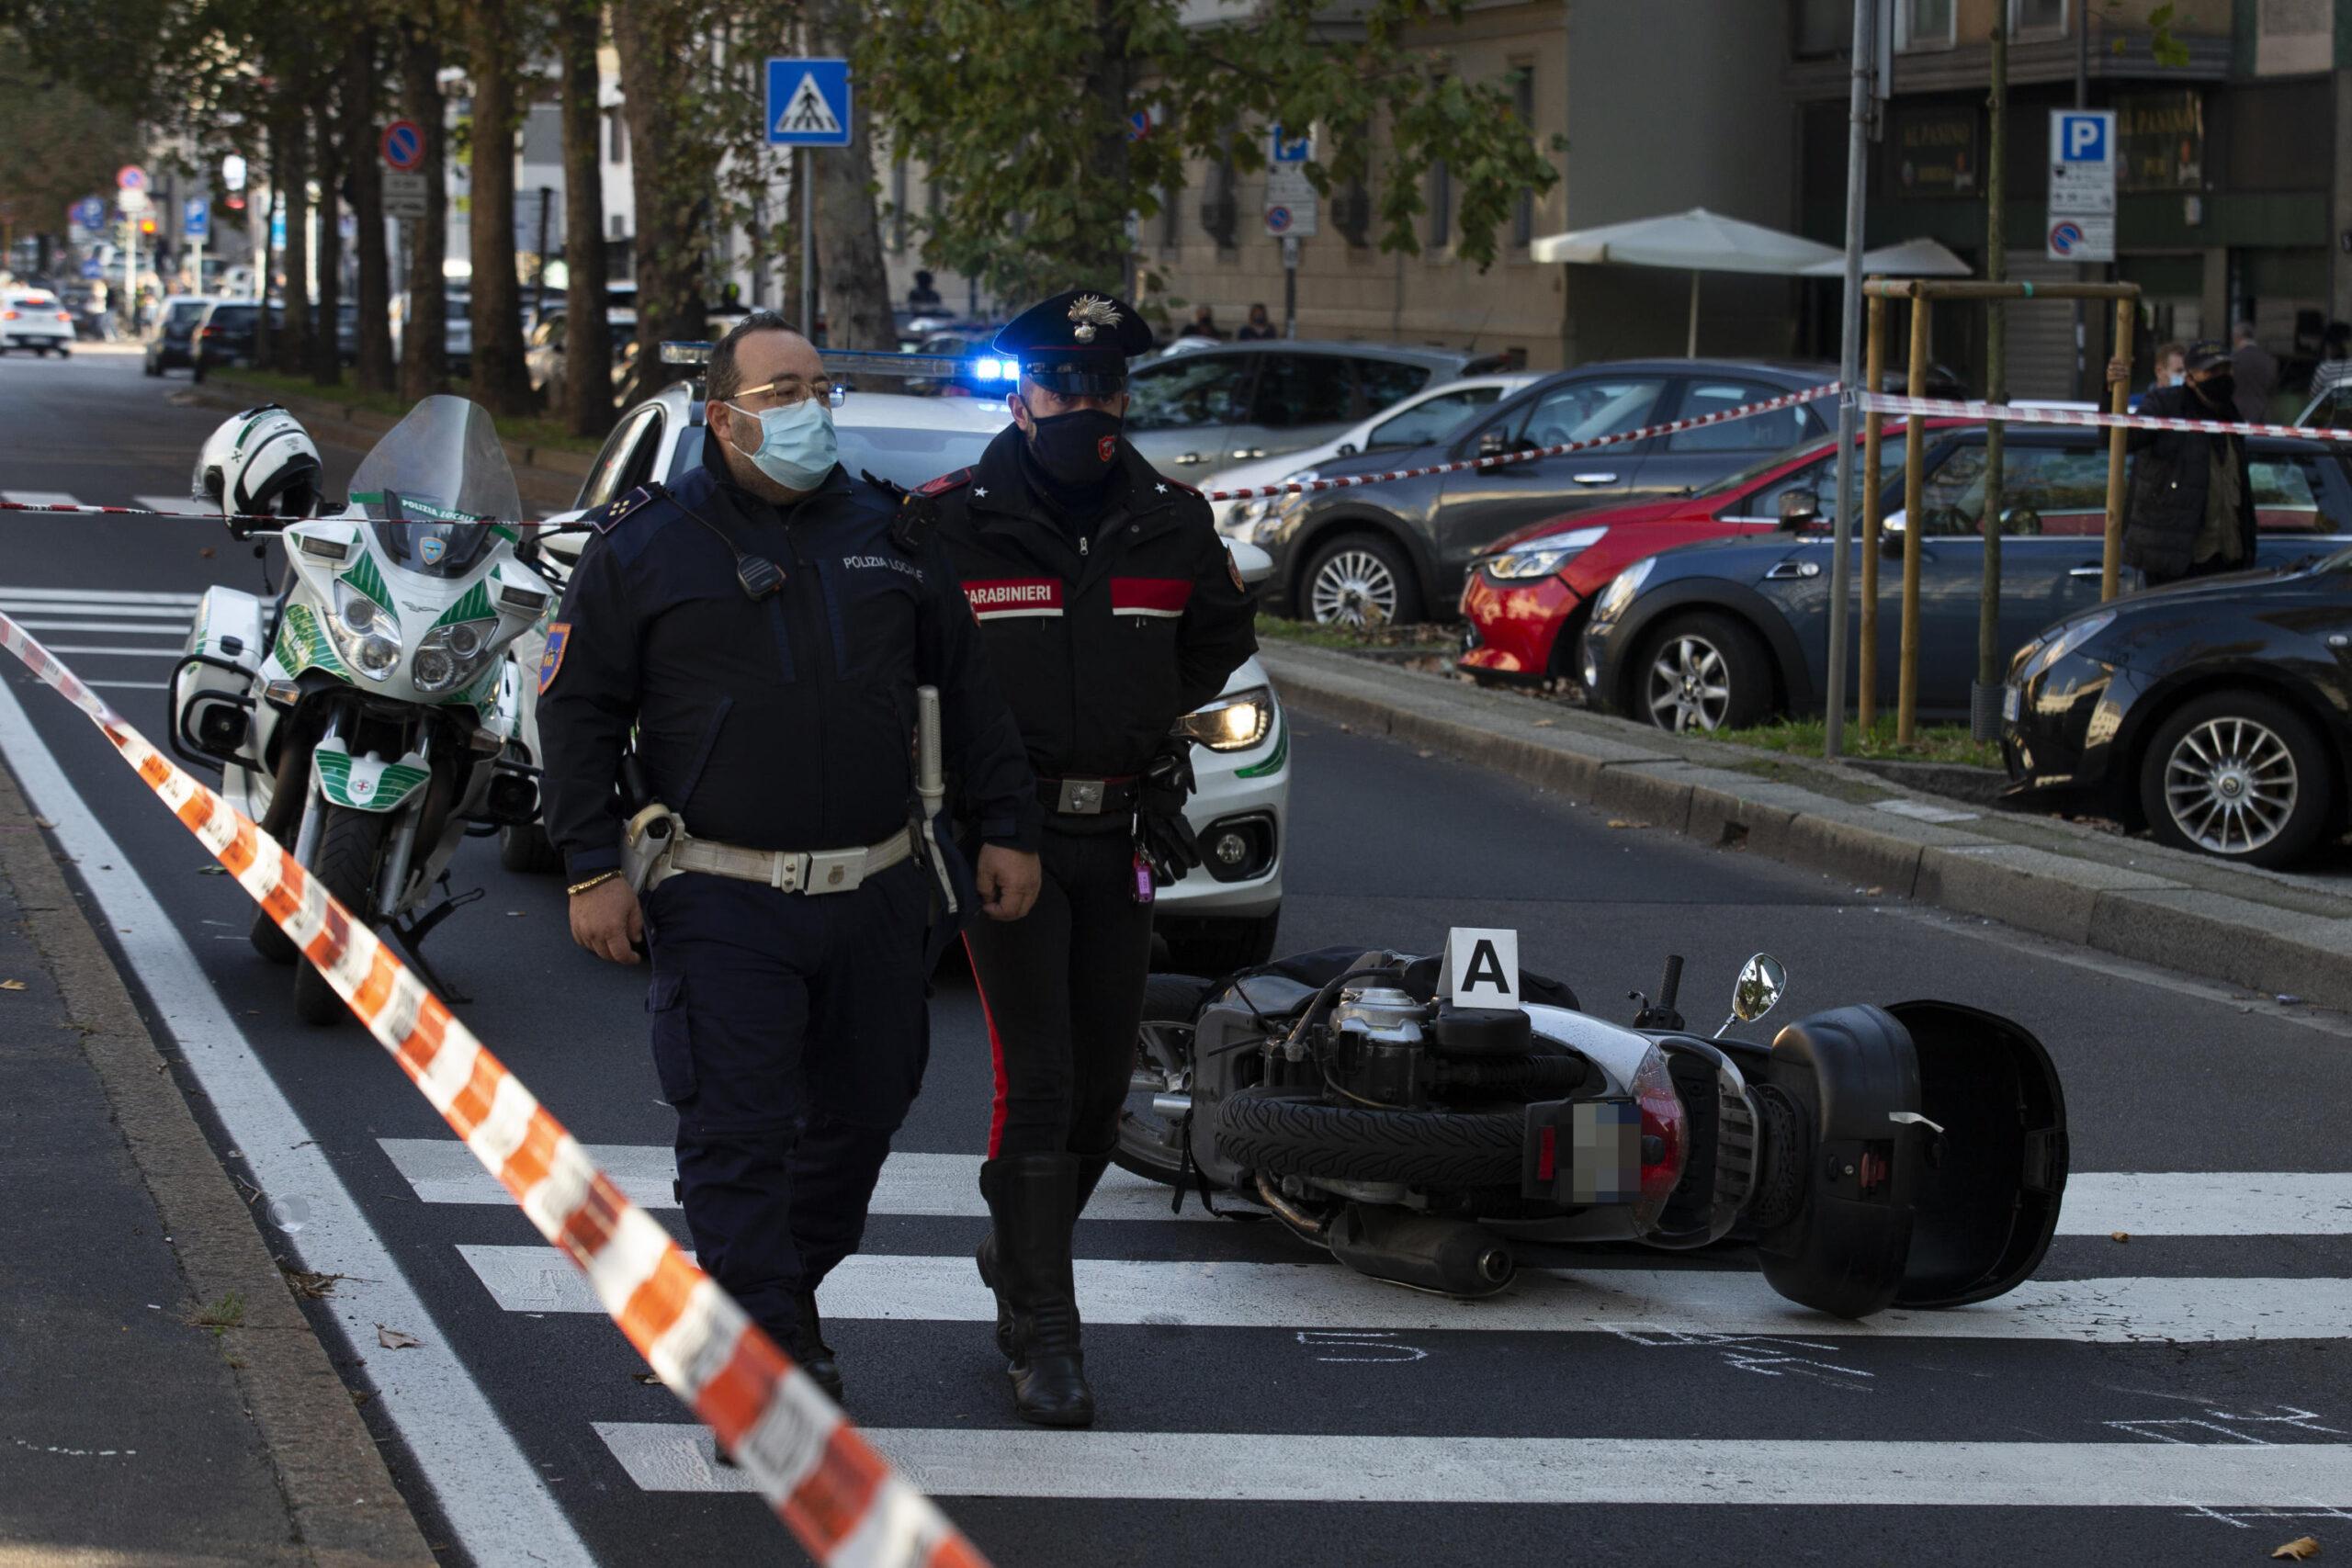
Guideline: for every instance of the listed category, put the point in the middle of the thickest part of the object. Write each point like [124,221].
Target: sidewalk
[163,1399]
[2270,931]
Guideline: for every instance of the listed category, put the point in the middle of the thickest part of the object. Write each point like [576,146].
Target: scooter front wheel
[351,845]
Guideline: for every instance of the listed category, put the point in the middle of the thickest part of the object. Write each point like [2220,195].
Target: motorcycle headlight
[1234,723]
[2070,638]
[451,656]
[1618,597]
[1541,558]
[366,633]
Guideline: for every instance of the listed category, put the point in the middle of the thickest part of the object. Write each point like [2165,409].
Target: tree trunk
[668,172]
[587,389]
[849,229]
[334,156]
[360,95]
[294,342]
[266,255]
[425,338]
[500,382]
[1106,263]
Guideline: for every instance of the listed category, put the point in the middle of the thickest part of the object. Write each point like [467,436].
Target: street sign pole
[1849,371]
[808,106]
[1290,286]
[807,177]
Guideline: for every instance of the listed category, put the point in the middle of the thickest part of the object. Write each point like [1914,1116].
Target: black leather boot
[1090,1172]
[809,1347]
[1032,1199]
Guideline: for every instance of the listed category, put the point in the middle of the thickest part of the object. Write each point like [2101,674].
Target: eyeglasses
[790,392]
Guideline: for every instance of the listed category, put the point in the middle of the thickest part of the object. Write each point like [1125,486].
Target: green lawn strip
[1355,640]
[522,431]
[1932,742]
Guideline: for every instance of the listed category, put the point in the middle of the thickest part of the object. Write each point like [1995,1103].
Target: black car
[169,340]
[2216,714]
[225,336]
[1724,634]
[1389,552]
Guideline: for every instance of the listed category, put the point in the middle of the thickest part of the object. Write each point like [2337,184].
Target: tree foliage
[1021,115]
[62,143]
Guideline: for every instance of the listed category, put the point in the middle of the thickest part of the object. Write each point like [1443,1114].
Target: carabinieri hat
[1077,344]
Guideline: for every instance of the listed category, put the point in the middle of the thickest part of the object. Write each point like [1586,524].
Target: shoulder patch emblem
[614,511]
[551,660]
[946,483]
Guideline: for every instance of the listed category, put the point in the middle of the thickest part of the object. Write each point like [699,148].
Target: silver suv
[1199,404]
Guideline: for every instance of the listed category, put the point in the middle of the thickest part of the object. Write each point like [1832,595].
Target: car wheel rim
[2231,786]
[1690,685]
[1355,587]
[1160,1073]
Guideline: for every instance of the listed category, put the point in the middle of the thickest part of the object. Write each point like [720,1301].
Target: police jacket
[1101,646]
[2171,472]
[785,723]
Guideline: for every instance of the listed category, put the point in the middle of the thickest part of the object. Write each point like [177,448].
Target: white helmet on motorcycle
[260,462]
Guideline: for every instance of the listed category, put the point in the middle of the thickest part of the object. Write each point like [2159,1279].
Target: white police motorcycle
[365,716]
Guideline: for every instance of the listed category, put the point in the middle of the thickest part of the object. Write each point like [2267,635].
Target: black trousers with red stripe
[1063,991]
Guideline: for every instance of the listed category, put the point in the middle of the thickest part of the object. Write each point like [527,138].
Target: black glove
[1162,835]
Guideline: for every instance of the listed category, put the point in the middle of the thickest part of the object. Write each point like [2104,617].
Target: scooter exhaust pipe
[1454,1257]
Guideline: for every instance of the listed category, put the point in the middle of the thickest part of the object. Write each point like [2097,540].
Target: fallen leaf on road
[1544,723]
[43,822]
[206,552]
[515,914]
[2301,1547]
[11,985]
[1424,753]
[393,1340]
[1625,822]
[2118,1236]
[309,1286]
[649,1379]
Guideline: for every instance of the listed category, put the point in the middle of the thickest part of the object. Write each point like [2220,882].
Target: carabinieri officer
[1111,610]
[762,627]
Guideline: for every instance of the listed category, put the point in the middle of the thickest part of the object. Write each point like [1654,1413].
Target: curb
[346,1509]
[545,476]
[2157,905]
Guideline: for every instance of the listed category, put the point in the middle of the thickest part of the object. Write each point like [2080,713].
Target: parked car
[1529,593]
[35,319]
[1388,552]
[1724,634]
[543,347]
[169,343]
[2212,713]
[1222,917]
[224,337]
[1430,414]
[1198,405]
[458,330]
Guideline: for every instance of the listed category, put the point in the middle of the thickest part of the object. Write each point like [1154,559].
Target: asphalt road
[2181,1396]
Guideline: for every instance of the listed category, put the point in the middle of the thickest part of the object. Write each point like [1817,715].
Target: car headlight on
[2069,637]
[366,633]
[1541,558]
[1618,597]
[451,656]
[1234,723]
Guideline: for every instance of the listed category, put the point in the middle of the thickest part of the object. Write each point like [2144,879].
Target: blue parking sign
[90,212]
[808,103]
[195,218]
[2082,138]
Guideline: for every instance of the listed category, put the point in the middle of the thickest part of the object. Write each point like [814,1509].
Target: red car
[1530,591]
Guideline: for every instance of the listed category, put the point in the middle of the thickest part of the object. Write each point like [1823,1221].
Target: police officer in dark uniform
[763,627]
[1111,610]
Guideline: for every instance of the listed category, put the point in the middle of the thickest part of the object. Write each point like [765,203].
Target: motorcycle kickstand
[411,934]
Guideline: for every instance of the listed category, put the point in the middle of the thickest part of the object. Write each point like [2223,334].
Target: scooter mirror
[1758,990]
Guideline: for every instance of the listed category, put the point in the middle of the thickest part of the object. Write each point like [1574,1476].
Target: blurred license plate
[2012,700]
[1605,1137]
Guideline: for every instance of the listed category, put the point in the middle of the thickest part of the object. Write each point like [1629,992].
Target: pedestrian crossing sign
[808,103]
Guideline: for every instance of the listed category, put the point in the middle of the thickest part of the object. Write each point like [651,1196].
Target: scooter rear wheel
[350,845]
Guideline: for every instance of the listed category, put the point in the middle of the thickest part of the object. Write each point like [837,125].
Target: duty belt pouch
[646,844]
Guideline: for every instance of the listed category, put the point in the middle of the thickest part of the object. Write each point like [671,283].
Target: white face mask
[797,447]
[2177,379]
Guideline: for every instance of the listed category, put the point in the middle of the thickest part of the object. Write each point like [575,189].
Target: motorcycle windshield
[436,491]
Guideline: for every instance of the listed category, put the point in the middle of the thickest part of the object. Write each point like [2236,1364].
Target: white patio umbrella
[1909,258]
[1699,239]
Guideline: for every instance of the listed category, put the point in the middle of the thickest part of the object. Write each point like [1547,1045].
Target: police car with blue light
[1213,922]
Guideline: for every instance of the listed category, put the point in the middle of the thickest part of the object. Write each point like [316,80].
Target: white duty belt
[788,871]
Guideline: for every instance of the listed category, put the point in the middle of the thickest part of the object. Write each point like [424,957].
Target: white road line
[442,1170]
[497,1504]
[10,591]
[114,652]
[2144,1203]
[175,630]
[38,497]
[1561,1300]
[1741,1472]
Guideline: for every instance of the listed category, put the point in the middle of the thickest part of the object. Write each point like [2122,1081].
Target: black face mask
[1077,449]
[2218,391]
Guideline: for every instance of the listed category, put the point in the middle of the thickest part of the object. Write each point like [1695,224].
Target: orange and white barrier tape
[2014,413]
[843,1500]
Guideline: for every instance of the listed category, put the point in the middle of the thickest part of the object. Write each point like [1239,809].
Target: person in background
[2258,375]
[2171,365]
[1259,326]
[2334,367]
[2189,509]
[1202,324]
[923,296]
